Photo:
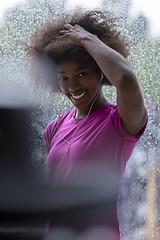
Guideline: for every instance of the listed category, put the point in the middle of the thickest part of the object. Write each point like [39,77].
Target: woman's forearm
[113,65]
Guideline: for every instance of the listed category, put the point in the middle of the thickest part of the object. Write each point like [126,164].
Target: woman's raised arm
[130,102]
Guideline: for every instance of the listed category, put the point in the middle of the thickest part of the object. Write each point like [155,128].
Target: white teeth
[78,96]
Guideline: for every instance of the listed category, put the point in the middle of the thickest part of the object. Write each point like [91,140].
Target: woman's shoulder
[107,109]
[66,116]
[51,128]
[61,118]
[111,106]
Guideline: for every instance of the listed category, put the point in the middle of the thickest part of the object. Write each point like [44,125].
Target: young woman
[90,52]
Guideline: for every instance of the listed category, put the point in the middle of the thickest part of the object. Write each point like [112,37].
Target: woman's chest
[83,144]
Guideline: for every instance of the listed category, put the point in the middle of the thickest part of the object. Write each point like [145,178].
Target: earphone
[102,76]
[69,143]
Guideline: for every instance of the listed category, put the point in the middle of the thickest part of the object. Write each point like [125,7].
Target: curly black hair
[46,41]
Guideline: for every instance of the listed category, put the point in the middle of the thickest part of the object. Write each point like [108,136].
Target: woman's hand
[75,33]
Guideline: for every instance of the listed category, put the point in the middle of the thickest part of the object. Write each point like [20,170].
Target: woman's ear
[100,74]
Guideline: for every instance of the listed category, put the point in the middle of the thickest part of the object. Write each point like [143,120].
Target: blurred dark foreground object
[26,205]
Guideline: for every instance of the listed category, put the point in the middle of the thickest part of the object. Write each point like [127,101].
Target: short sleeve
[118,125]
[49,132]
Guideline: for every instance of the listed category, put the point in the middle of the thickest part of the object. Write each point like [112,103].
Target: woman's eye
[82,74]
[62,78]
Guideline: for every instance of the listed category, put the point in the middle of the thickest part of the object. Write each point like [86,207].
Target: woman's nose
[73,85]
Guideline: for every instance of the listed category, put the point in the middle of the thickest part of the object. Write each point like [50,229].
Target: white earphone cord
[69,143]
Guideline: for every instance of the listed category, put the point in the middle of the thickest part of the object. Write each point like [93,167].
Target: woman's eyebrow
[80,68]
[75,70]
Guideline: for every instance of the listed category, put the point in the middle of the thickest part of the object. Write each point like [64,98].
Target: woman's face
[79,82]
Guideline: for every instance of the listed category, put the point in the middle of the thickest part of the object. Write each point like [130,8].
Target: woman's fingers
[75,33]
[66,29]
[62,32]
[68,26]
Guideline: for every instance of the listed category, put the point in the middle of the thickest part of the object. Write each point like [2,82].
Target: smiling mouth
[76,97]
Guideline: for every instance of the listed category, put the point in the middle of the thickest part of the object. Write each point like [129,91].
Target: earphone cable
[69,143]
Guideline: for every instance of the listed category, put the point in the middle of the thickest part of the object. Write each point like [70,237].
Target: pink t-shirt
[101,137]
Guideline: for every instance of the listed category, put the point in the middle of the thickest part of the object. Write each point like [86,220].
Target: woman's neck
[80,113]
